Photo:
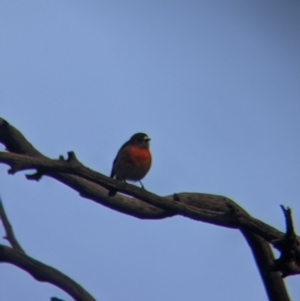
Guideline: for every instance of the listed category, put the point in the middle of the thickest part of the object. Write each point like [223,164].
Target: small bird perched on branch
[133,160]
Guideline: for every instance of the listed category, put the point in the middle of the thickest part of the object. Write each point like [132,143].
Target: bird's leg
[142,185]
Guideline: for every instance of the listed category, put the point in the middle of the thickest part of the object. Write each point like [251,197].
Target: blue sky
[215,84]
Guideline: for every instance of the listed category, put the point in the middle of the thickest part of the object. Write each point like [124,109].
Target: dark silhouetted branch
[289,245]
[264,259]
[9,236]
[36,269]
[137,202]
[44,273]
[208,208]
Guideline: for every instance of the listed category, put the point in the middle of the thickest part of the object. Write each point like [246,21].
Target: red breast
[140,157]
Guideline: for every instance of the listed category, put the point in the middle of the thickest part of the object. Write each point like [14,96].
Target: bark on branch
[214,209]
[44,273]
[264,258]
[38,270]
[289,246]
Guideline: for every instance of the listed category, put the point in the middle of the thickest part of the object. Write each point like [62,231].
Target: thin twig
[41,272]
[289,246]
[9,233]
[44,273]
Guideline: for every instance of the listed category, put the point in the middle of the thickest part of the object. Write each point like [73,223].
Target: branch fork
[139,203]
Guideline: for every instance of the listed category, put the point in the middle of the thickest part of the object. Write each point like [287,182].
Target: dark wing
[112,174]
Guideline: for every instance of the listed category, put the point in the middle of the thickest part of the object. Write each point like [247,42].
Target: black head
[140,139]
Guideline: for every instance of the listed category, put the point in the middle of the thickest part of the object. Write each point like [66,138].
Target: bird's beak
[147,139]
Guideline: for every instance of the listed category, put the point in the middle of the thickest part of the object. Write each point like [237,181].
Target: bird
[133,160]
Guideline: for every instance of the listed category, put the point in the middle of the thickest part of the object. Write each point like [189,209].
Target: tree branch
[37,269]
[10,236]
[44,273]
[214,209]
[218,210]
[264,259]
[289,246]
